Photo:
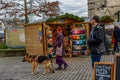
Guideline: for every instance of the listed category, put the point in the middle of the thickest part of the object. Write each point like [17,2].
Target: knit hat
[59,29]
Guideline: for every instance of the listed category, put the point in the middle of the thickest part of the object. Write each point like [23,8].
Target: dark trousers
[95,58]
[60,61]
[116,47]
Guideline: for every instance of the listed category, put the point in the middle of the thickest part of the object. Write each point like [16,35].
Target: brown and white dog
[45,60]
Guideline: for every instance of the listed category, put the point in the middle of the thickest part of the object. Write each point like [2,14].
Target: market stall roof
[66,18]
[106,19]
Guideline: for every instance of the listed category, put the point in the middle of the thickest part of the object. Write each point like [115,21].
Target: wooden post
[44,39]
[87,25]
[115,66]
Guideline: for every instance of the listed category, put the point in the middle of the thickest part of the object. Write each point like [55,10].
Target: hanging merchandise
[82,37]
[74,37]
[79,39]
[50,36]
[67,39]
[84,47]
[50,41]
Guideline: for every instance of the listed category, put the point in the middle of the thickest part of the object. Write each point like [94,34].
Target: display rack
[79,39]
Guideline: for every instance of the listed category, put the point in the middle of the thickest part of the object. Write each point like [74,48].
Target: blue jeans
[96,58]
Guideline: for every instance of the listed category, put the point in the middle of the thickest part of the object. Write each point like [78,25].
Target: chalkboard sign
[117,67]
[103,71]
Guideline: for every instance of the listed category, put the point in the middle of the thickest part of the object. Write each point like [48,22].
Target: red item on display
[74,37]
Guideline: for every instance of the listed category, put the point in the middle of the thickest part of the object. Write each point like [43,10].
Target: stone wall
[104,7]
[11,53]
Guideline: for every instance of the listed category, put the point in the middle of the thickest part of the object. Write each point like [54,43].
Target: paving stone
[12,68]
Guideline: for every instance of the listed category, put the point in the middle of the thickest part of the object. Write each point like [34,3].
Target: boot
[58,68]
[65,66]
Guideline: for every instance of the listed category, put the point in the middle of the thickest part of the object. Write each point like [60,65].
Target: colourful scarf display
[79,31]
[79,42]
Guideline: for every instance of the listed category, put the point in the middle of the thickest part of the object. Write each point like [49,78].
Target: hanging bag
[59,51]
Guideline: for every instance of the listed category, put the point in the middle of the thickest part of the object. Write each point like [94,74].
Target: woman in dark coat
[60,49]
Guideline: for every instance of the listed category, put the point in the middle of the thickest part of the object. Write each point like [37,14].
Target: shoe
[65,66]
[58,68]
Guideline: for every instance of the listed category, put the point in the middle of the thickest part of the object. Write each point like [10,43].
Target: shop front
[75,36]
[41,37]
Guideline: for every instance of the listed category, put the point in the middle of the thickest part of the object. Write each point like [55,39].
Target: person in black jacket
[116,35]
[96,40]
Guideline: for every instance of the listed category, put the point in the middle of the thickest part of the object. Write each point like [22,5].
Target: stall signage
[109,26]
[103,71]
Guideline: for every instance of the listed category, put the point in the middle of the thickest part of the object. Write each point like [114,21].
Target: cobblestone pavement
[12,68]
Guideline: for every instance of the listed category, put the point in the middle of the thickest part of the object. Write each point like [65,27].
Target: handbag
[59,51]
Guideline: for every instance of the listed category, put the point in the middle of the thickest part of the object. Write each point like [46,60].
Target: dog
[45,60]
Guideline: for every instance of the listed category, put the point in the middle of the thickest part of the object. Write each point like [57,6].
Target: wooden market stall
[40,37]
[35,39]
[75,31]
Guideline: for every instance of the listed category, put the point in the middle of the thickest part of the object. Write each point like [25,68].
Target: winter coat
[96,40]
[60,43]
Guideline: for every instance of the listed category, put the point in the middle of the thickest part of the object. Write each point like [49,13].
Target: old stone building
[104,7]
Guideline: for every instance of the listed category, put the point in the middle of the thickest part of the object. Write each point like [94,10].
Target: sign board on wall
[15,37]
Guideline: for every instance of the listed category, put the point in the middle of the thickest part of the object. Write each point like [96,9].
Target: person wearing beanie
[59,46]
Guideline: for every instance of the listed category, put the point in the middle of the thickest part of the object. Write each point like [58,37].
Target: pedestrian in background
[116,35]
[60,49]
[96,40]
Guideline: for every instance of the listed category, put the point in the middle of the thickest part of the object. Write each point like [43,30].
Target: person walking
[116,35]
[96,40]
[59,46]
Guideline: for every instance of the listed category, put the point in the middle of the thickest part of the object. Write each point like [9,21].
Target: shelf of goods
[50,42]
[109,36]
[79,41]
